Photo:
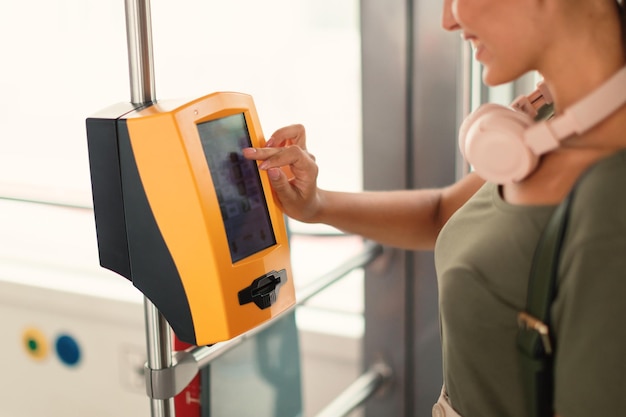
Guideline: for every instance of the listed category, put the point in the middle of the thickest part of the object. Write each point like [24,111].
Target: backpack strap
[535,342]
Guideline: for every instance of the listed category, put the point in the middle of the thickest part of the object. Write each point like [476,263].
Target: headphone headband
[580,117]
[504,145]
[532,103]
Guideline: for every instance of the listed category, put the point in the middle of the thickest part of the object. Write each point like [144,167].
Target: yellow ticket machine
[186,218]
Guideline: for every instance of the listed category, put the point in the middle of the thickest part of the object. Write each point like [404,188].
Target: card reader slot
[266,286]
[263,290]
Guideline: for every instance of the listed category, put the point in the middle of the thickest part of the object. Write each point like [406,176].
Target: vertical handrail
[140,58]
[142,91]
[159,346]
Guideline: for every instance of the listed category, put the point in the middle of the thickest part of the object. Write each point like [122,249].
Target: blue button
[68,350]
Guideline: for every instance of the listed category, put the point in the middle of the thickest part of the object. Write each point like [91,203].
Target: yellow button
[35,343]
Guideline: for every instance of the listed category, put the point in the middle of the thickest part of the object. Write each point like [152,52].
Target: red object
[187,402]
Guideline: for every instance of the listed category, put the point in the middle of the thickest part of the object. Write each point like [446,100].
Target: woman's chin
[492,77]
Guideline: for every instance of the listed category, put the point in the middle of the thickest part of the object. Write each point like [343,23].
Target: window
[64,60]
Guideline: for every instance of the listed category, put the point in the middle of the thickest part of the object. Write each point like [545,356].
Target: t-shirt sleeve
[589,323]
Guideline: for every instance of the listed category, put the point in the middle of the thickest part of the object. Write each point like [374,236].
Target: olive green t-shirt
[483,257]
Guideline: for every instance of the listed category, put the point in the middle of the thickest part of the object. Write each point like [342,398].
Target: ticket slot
[264,290]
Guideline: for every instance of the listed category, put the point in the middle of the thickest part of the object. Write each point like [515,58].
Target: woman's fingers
[292,156]
[297,191]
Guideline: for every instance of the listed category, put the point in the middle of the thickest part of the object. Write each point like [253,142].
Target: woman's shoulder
[599,203]
[605,178]
[555,176]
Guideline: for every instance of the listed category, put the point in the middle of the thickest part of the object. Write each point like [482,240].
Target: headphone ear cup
[469,121]
[493,143]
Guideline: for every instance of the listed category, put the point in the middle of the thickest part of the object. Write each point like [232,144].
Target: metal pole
[159,343]
[140,59]
[142,91]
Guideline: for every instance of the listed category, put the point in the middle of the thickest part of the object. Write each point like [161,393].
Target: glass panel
[260,378]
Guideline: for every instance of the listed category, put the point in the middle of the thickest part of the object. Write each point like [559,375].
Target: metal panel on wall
[435,89]
[385,129]
[410,89]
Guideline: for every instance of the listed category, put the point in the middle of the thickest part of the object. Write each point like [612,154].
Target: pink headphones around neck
[503,144]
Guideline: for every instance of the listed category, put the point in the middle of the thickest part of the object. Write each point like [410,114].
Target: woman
[576,45]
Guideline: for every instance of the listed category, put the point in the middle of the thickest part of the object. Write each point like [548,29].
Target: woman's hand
[292,172]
